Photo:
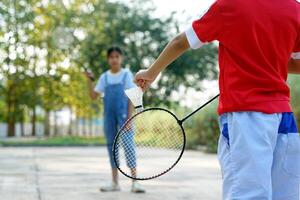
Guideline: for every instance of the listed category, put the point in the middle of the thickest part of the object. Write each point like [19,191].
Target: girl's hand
[144,78]
[89,75]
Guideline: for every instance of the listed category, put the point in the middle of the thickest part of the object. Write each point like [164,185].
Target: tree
[142,36]
[16,17]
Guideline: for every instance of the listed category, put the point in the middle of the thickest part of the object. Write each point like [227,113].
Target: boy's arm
[208,28]
[173,50]
[294,64]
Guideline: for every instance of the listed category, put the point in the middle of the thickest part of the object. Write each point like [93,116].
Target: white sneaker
[137,188]
[113,187]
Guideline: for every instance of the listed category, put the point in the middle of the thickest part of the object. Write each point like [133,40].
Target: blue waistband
[288,125]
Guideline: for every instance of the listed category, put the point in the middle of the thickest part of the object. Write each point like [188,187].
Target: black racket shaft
[200,108]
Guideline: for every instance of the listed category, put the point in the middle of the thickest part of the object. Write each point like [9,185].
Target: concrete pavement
[77,174]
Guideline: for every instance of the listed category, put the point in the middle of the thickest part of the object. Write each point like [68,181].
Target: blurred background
[45,44]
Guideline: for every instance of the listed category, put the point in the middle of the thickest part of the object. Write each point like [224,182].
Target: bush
[203,129]
[294,82]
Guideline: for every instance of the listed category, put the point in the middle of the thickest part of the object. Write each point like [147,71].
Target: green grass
[55,141]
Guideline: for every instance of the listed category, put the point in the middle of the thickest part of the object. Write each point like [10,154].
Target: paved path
[77,174]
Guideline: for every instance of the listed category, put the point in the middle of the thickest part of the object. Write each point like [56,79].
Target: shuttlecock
[135,95]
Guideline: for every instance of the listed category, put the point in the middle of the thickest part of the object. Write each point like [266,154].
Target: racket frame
[180,122]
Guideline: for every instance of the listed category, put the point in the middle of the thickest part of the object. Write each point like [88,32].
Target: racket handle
[90,77]
[139,109]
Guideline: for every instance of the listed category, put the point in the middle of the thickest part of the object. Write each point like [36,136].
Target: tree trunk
[11,129]
[22,124]
[55,124]
[75,132]
[47,124]
[10,118]
[84,127]
[90,126]
[70,129]
[33,122]
[78,131]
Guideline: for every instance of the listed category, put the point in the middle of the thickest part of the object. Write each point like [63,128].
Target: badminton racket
[151,142]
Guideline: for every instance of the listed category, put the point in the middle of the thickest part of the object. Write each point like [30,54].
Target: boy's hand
[173,50]
[144,78]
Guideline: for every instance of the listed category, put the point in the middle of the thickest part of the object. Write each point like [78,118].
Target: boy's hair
[114,49]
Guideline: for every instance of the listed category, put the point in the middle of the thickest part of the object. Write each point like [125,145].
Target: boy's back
[257,38]
[259,145]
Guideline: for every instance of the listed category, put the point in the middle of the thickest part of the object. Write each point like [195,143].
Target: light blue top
[114,79]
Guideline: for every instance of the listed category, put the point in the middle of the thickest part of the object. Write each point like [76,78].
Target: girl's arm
[294,66]
[173,50]
[130,109]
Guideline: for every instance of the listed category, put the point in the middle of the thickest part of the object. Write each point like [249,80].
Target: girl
[117,109]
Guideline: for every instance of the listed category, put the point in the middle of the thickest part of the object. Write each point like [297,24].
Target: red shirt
[256,40]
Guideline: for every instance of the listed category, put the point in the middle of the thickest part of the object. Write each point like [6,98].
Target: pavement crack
[36,175]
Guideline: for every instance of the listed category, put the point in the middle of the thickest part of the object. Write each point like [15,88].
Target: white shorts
[259,156]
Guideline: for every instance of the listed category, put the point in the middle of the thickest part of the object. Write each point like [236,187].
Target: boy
[259,146]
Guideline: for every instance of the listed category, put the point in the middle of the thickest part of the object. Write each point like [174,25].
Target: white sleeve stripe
[194,41]
[296,55]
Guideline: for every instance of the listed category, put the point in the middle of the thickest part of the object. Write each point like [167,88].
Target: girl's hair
[114,49]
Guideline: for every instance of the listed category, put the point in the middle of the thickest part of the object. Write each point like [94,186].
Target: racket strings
[151,142]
